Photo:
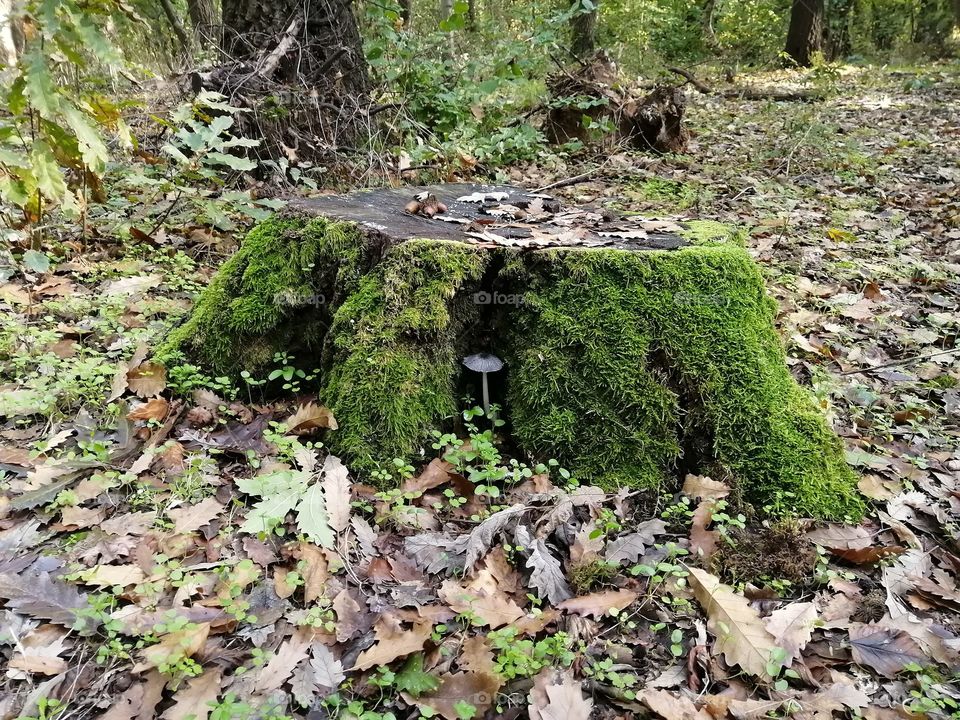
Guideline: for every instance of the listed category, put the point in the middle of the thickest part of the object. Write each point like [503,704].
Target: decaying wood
[748,93]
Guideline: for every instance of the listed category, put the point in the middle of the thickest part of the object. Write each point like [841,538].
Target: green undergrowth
[630,368]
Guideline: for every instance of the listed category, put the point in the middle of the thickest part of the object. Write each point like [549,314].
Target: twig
[282,48]
[901,363]
[573,180]
[702,87]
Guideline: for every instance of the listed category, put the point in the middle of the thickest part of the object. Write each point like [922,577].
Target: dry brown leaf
[937,593]
[867,555]
[293,650]
[704,488]
[703,542]
[741,637]
[315,572]
[792,627]
[310,417]
[476,689]
[557,696]
[353,617]
[841,536]
[336,492]
[392,642]
[110,575]
[77,517]
[434,475]
[178,644]
[884,650]
[127,706]
[153,409]
[147,379]
[670,706]
[193,517]
[599,604]
[193,701]
[476,655]
[482,599]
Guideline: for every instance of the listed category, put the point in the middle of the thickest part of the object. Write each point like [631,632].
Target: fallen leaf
[336,490]
[193,517]
[886,651]
[841,536]
[741,637]
[547,575]
[481,599]
[193,702]
[147,379]
[458,693]
[704,488]
[599,604]
[154,409]
[310,417]
[183,643]
[669,706]
[392,642]
[290,653]
[792,627]
[557,696]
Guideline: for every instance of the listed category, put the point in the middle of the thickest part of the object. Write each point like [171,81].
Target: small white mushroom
[484,363]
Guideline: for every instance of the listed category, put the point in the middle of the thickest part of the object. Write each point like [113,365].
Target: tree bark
[406,12]
[8,48]
[583,27]
[328,50]
[176,25]
[805,36]
[203,21]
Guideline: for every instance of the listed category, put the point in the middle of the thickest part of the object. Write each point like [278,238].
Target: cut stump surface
[636,349]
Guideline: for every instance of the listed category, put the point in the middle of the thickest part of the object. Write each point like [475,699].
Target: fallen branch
[282,48]
[690,78]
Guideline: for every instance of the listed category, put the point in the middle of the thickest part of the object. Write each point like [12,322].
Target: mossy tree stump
[635,350]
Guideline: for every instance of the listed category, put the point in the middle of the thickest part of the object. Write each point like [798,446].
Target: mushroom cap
[483,362]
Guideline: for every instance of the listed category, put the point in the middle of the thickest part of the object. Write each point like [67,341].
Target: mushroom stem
[486,398]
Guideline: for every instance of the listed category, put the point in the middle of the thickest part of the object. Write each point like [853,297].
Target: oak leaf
[392,642]
[741,637]
[599,604]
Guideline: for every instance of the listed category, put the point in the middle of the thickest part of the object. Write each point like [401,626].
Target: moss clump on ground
[767,555]
[623,365]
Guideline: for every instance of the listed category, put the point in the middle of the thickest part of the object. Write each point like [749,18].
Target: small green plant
[521,657]
[930,695]
[47,709]
[607,672]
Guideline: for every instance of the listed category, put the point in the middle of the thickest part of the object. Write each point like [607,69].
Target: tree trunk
[406,12]
[706,23]
[8,48]
[175,23]
[635,350]
[805,36]
[328,50]
[203,21]
[583,26]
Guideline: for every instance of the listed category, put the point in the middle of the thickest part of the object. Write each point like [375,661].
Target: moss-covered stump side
[624,365]
[631,367]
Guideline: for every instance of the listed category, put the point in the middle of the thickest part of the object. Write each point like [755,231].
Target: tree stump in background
[635,350]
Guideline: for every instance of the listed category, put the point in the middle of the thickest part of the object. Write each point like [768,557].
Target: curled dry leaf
[310,417]
[792,627]
[841,536]
[153,409]
[482,599]
[147,379]
[704,488]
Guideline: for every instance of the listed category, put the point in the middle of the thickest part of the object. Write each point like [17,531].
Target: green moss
[393,353]
[618,359]
[711,232]
[275,293]
[672,193]
[629,367]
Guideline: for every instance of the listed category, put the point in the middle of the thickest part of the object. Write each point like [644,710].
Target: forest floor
[134,588]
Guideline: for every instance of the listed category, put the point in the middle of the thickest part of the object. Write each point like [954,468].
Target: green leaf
[221,123]
[312,518]
[231,161]
[414,680]
[40,89]
[92,150]
[36,261]
[280,481]
[47,173]
[262,516]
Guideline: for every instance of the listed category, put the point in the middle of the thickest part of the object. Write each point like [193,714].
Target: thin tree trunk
[406,12]
[584,30]
[471,15]
[176,24]
[805,36]
[203,20]
[709,8]
[8,48]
